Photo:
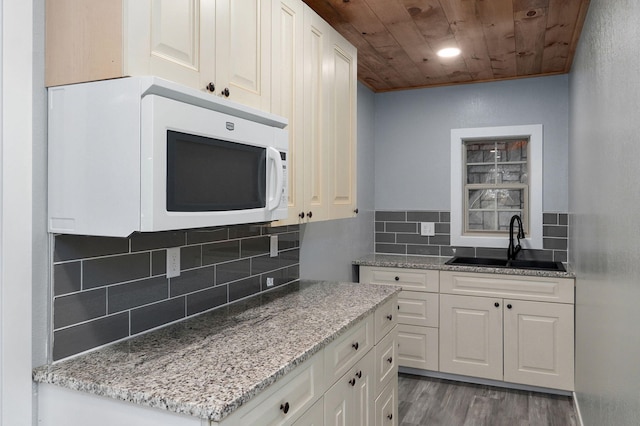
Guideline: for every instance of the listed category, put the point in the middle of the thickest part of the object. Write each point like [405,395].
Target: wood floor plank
[425,401]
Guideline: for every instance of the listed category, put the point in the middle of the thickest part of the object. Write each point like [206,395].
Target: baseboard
[577,408]
[480,381]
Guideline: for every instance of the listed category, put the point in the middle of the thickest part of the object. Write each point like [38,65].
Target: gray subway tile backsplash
[397,232]
[107,289]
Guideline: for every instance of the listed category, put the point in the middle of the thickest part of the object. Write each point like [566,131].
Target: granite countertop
[438,263]
[210,365]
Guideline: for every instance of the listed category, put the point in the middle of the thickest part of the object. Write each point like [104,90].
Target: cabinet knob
[389,317]
[397,278]
[390,360]
[210,87]
[225,92]
[356,211]
[509,306]
[390,416]
[352,382]
[497,305]
[310,214]
[284,407]
[301,215]
[359,374]
[355,346]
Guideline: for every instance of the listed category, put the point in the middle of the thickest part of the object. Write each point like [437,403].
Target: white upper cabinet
[222,46]
[322,149]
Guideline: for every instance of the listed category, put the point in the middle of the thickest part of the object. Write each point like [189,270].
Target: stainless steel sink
[545,265]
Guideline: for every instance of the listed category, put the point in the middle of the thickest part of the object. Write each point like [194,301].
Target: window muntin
[496,184]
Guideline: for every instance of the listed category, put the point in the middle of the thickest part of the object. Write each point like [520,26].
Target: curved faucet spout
[514,249]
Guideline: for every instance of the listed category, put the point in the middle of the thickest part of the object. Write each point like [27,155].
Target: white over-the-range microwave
[145,154]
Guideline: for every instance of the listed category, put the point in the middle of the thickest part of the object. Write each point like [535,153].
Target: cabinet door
[538,344]
[342,128]
[173,38]
[387,406]
[418,347]
[287,93]
[316,35]
[471,336]
[350,401]
[243,51]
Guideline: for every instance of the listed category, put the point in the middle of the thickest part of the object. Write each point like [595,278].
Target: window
[496,172]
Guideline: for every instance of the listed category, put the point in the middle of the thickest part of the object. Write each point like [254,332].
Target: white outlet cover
[427,229]
[173,262]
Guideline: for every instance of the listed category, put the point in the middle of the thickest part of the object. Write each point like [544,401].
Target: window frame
[533,238]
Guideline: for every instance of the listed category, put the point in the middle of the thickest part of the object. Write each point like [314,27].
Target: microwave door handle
[273,157]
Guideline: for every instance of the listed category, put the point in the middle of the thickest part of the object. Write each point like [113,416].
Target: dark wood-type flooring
[436,402]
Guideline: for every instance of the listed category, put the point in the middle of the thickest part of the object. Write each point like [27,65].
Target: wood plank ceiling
[397,40]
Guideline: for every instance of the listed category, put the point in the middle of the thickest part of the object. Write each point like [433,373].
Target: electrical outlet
[173,262]
[273,249]
[269,282]
[427,228]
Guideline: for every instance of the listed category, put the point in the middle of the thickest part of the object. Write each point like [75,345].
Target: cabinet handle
[285,407]
[310,214]
[509,306]
[356,211]
[397,278]
[301,215]
[210,87]
[225,92]
[390,317]
[352,382]
[355,346]
[359,374]
[497,305]
[390,416]
[390,360]
[398,307]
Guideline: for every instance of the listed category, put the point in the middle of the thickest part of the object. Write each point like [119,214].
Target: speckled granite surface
[433,262]
[210,365]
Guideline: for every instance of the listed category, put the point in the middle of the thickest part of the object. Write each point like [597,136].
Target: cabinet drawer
[408,279]
[508,286]
[386,356]
[418,308]
[418,347]
[386,317]
[298,391]
[314,415]
[386,406]
[341,354]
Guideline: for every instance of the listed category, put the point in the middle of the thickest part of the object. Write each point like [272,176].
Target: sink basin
[545,265]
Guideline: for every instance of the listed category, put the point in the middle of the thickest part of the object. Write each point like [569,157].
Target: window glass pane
[510,199]
[482,221]
[504,218]
[481,152]
[514,150]
[482,199]
[511,173]
[481,174]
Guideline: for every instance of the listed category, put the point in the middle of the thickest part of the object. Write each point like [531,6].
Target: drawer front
[296,393]
[386,317]
[418,308]
[543,289]
[386,356]
[314,415]
[408,279]
[418,347]
[386,411]
[341,354]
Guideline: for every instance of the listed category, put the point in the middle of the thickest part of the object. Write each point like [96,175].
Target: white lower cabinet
[350,400]
[386,406]
[511,328]
[418,347]
[520,330]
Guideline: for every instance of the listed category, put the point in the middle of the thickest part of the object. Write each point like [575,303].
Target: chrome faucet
[513,249]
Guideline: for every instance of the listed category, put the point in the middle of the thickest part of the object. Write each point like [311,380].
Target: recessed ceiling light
[448,52]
